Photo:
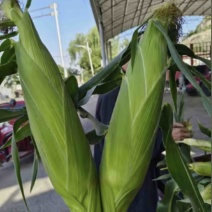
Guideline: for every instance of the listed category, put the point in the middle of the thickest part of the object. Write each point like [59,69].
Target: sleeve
[104,110]
[98,148]
[158,148]
[98,108]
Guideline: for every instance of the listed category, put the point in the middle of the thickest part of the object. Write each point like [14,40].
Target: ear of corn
[130,138]
[206,194]
[202,144]
[53,119]
[201,168]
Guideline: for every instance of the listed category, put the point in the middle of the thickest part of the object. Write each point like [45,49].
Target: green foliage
[85,64]
[192,32]
[73,173]
[79,54]
[75,52]
[115,46]
[8,66]
[5,25]
[94,44]
[124,43]
[61,70]
[176,164]
[205,24]
[114,42]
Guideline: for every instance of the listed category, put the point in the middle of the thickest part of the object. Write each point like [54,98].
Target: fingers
[176,125]
[183,130]
[179,132]
[181,136]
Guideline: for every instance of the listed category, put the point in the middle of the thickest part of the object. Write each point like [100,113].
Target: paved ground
[43,198]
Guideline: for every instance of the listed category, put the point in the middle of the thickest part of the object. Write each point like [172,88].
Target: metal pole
[54,6]
[110,50]
[88,49]
[104,57]
[42,8]
[89,55]
[39,16]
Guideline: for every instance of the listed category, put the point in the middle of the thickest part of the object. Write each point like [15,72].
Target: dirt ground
[43,198]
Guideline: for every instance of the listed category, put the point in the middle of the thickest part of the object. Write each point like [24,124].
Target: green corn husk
[201,168]
[53,118]
[202,144]
[206,194]
[131,134]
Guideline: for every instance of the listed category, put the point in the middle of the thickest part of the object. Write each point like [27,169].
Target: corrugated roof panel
[198,8]
[120,15]
[129,17]
[117,29]
[106,6]
[135,21]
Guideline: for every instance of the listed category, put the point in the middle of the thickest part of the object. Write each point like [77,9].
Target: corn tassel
[131,134]
[53,118]
[201,168]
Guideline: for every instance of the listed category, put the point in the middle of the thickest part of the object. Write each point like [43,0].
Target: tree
[115,46]
[80,54]
[75,52]
[61,69]
[12,80]
[124,43]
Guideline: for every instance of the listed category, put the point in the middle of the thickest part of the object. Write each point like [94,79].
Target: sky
[74,16]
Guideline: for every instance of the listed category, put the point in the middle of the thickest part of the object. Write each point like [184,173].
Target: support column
[110,50]
[103,52]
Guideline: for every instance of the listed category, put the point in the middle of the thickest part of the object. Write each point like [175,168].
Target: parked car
[25,146]
[206,72]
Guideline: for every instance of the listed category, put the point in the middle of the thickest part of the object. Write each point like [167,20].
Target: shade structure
[117,16]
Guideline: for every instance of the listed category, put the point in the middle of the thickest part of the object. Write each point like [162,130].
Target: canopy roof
[117,16]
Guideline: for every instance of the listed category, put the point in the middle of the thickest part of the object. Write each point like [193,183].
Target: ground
[43,198]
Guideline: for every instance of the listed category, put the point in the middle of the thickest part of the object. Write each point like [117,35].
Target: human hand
[180,132]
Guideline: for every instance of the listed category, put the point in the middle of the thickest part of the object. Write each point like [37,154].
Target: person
[147,197]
